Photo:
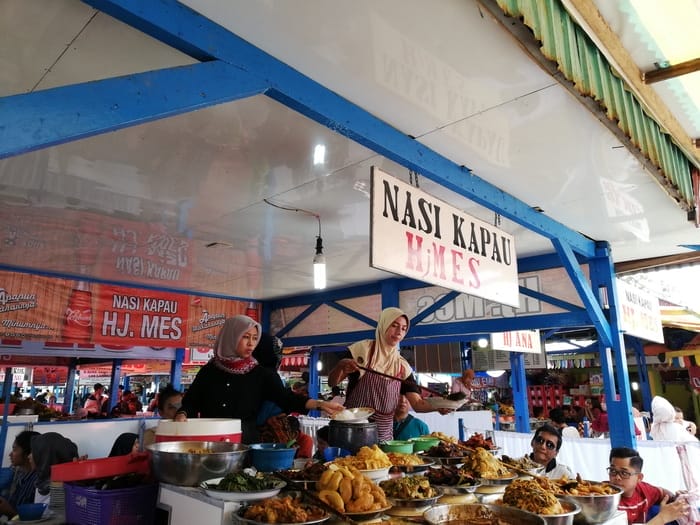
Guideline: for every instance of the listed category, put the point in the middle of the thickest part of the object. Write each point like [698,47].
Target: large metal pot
[191,462]
[352,436]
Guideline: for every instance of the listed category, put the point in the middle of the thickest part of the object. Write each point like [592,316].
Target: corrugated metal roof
[583,64]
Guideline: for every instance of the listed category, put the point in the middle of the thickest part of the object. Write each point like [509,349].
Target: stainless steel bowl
[566,518]
[440,514]
[189,463]
[599,507]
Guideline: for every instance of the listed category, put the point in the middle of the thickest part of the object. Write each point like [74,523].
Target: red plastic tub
[202,429]
[102,468]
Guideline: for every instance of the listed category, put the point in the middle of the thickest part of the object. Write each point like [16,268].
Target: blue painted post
[519,386]
[7,386]
[114,383]
[70,387]
[313,385]
[176,369]
[643,375]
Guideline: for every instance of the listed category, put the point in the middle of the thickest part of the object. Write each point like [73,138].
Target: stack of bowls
[189,463]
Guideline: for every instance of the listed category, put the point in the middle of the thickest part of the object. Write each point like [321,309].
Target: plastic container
[102,468]
[330,453]
[401,447]
[421,444]
[586,427]
[31,511]
[270,457]
[202,429]
[131,506]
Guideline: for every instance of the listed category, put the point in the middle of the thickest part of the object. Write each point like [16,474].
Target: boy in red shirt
[638,497]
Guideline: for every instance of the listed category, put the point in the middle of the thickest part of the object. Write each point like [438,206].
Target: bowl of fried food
[537,496]
[348,491]
[411,491]
[372,461]
[285,509]
[598,501]
[453,479]
[482,514]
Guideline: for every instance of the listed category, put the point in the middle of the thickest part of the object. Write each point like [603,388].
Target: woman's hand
[328,407]
[341,370]
[349,366]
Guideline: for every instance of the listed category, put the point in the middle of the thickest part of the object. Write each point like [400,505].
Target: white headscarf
[664,428]
[386,358]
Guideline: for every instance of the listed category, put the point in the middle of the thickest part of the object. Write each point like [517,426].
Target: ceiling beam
[664,73]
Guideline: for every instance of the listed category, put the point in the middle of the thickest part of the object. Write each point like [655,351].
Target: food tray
[368,515]
[441,402]
[413,468]
[227,495]
[415,502]
[505,480]
[376,474]
[458,489]
[238,517]
[501,514]
[448,460]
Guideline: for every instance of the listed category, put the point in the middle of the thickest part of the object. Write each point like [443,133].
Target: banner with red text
[419,236]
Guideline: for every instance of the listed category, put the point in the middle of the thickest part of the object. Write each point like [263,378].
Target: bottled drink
[252,311]
[586,427]
[77,323]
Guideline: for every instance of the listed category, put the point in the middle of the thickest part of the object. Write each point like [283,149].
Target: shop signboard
[419,236]
[526,341]
[639,311]
[488,359]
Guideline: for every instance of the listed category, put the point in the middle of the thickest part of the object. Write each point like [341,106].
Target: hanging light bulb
[319,265]
[495,373]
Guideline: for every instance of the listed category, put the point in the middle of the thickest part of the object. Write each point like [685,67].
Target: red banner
[130,316]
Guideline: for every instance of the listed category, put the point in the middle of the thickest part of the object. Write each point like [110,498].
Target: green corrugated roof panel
[582,63]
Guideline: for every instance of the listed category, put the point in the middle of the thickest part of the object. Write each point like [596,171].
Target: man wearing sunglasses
[638,496]
[545,447]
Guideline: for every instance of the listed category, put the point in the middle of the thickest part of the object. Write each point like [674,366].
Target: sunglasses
[622,474]
[542,441]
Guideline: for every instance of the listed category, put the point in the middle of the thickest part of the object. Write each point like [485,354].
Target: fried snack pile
[367,458]
[577,487]
[528,494]
[442,437]
[446,450]
[346,489]
[412,487]
[283,510]
[451,475]
[478,440]
[310,472]
[399,459]
[523,463]
[486,465]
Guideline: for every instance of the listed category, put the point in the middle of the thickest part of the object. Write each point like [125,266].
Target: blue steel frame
[230,69]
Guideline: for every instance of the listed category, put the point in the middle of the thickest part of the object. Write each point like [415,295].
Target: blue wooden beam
[54,116]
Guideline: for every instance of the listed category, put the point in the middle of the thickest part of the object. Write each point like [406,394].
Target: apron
[380,393]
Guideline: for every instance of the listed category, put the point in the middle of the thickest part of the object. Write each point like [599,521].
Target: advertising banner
[419,236]
[527,341]
[640,313]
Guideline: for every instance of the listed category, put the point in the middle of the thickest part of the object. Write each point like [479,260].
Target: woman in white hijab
[382,355]
[663,427]
[233,385]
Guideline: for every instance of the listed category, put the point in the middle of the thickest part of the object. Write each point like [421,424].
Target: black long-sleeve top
[219,394]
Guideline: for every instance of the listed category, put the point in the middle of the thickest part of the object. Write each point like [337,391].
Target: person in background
[169,402]
[545,446]
[125,444]
[463,384]
[380,354]
[663,426]
[687,425]
[638,497]
[556,416]
[47,450]
[405,425]
[23,484]
[321,442]
[599,424]
[286,429]
[95,403]
[233,385]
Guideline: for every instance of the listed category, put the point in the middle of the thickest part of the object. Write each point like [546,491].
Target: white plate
[441,402]
[40,520]
[353,415]
[240,496]
[376,474]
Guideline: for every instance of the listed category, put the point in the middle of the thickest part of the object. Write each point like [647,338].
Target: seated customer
[407,426]
[125,444]
[556,415]
[24,479]
[47,450]
[545,446]
[638,497]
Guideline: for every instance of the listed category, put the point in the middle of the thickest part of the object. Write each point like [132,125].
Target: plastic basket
[131,506]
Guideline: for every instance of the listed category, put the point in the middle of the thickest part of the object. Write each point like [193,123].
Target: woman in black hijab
[125,444]
[47,450]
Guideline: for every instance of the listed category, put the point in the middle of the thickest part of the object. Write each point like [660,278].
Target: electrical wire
[299,210]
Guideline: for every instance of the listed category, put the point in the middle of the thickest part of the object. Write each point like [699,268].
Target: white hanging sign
[419,236]
[639,311]
[527,341]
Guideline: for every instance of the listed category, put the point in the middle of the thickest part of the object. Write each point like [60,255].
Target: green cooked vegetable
[242,482]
